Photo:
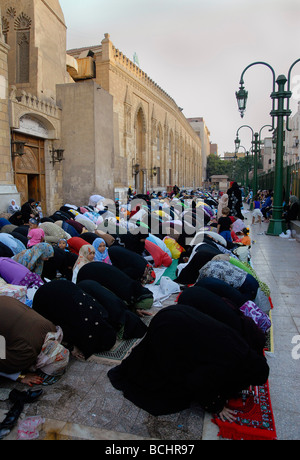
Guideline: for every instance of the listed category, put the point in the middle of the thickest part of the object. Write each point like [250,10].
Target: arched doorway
[141,177]
[29,169]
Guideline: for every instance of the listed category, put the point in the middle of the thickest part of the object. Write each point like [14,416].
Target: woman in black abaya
[82,319]
[126,323]
[235,201]
[187,356]
[189,273]
[129,262]
[130,291]
[226,311]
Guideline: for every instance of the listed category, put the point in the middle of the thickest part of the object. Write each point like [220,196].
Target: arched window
[158,142]
[22,27]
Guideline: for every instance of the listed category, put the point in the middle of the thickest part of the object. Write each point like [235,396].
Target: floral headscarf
[83,256]
[53,358]
[34,257]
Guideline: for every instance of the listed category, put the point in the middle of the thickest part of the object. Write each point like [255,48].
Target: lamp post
[256,142]
[277,223]
[246,164]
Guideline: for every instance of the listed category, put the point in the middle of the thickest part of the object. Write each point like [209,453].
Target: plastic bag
[27,429]
[168,287]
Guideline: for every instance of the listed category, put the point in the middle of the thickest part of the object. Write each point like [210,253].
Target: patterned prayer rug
[120,350]
[255,419]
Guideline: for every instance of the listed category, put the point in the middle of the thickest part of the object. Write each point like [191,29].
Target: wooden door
[31,165]
[22,187]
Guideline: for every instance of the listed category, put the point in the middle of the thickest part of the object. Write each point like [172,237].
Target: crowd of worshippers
[88,269]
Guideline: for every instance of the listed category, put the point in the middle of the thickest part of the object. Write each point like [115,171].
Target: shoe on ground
[288,234]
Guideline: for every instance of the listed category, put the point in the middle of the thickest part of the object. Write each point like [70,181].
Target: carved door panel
[32,166]
[22,187]
[27,163]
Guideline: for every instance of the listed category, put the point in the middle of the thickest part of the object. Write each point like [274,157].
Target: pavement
[83,405]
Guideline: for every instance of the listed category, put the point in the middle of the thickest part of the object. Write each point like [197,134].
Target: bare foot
[142,313]
[78,354]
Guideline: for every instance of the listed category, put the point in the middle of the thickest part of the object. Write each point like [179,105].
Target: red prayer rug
[255,419]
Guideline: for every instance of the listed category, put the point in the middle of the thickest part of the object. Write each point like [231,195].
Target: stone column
[8,190]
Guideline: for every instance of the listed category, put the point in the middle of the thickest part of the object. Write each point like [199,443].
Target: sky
[196,51]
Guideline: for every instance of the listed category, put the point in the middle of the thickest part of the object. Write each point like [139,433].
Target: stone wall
[167,140]
[8,190]
[87,137]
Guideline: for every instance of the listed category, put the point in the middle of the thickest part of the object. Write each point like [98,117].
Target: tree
[216,166]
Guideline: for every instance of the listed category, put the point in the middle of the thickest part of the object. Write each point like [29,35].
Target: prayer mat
[270,337]
[120,350]
[170,272]
[255,419]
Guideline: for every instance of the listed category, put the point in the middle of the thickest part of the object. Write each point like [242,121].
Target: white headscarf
[13,207]
[223,203]
[94,200]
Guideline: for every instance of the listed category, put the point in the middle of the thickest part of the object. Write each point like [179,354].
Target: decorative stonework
[11,12]
[27,104]
[5,25]
[127,114]
[32,102]
[22,22]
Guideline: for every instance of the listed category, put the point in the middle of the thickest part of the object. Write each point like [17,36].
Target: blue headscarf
[100,256]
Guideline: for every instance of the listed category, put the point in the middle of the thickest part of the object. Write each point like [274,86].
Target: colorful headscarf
[101,256]
[53,358]
[34,257]
[83,256]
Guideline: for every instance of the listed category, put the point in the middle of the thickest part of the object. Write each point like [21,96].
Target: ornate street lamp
[246,166]
[256,142]
[237,144]
[242,97]
[277,223]
[57,156]
[19,149]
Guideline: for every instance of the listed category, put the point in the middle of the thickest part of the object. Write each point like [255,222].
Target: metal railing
[291,181]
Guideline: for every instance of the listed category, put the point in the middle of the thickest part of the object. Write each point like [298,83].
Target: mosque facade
[82,122]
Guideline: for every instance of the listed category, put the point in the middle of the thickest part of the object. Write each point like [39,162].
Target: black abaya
[186,357]
[129,290]
[82,319]
[62,261]
[128,261]
[224,290]
[118,313]
[213,305]
[204,253]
